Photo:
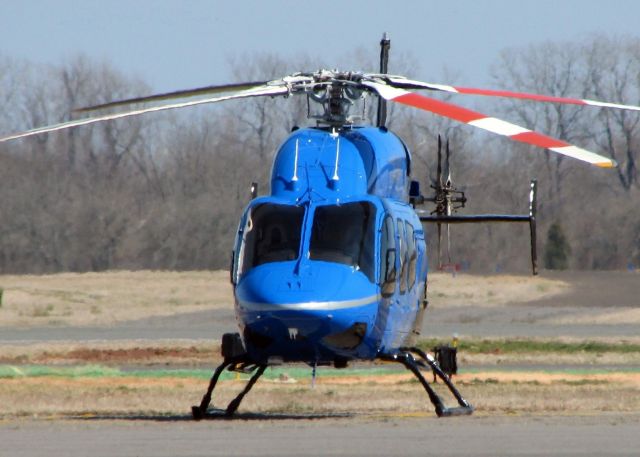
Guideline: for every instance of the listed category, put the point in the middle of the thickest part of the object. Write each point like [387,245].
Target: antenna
[335,176]
[295,162]
[385,45]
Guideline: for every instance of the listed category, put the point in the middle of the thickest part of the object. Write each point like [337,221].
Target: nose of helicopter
[315,313]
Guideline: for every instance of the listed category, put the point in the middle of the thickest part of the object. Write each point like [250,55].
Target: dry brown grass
[585,359]
[109,297]
[207,353]
[489,291]
[491,393]
[113,353]
[106,298]
[622,315]
[116,296]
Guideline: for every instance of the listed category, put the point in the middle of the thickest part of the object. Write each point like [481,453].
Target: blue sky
[180,44]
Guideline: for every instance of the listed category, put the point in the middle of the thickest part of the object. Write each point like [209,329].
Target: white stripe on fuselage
[308,306]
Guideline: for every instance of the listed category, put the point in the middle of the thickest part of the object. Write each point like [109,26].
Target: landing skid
[237,360]
[426,361]
[200,411]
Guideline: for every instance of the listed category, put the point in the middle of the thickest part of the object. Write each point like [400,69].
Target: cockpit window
[345,234]
[271,234]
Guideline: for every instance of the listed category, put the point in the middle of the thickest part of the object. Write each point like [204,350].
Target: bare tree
[166,191]
[550,68]
[600,68]
[614,75]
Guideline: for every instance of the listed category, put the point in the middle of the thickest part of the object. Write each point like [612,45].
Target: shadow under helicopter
[212,414]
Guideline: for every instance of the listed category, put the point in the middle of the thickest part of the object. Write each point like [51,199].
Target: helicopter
[331,266]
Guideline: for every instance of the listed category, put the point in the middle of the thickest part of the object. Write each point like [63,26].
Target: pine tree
[556,249]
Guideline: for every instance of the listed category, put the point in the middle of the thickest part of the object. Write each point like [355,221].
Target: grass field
[130,380]
[160,378]
[195,353]
[111,297]
[40,392]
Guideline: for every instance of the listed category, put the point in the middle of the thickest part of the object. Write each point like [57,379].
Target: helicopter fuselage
[331,266]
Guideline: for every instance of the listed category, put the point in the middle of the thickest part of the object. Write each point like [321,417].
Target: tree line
[165,191]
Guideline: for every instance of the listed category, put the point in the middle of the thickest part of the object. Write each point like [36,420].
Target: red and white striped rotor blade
[401,82]
[260,91]
[491,124]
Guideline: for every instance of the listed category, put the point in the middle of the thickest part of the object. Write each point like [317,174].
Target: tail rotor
[447,198]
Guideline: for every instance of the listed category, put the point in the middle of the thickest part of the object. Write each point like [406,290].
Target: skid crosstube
[426,361]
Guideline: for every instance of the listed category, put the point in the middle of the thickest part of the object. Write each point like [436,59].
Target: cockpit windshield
[345,234]
[271,234]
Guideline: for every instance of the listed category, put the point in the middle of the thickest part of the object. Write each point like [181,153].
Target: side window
[388,258]
[402,240]
[412,253]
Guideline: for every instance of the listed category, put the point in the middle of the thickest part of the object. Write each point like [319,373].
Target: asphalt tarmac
[608,435]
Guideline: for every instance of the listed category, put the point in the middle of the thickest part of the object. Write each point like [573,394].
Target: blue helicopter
[331,265]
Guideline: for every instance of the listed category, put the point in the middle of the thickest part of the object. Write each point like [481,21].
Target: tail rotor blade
[448,163]
[439,170]
[449,244]
[439,245]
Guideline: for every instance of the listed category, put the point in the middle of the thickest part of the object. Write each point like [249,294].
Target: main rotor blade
[255,92]
[400,82]
[491,124]
[175,94]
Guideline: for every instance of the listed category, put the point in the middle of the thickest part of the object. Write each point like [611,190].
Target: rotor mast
[385,45]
